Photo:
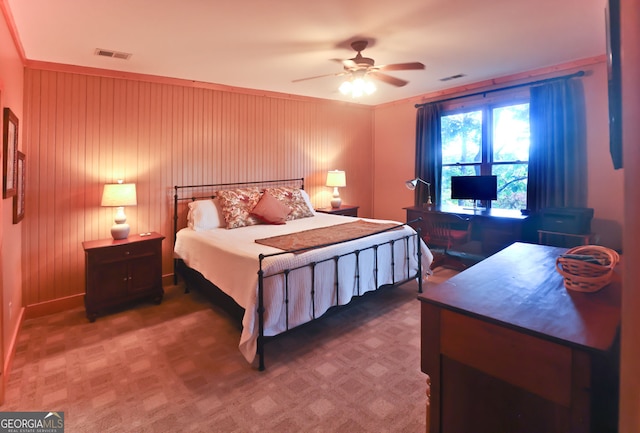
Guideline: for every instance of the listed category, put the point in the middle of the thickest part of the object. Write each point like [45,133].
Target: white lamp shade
[119,194]
[336,178]
[411,184]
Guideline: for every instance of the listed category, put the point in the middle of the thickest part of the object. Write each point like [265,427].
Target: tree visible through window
[492,140]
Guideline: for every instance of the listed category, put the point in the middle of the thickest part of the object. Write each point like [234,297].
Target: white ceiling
[266,44]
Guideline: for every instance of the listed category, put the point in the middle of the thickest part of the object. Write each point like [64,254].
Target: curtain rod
[531,83]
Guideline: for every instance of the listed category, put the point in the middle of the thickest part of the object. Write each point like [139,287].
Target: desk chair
[448,236]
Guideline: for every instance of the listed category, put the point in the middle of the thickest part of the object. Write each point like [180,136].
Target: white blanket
[229,259]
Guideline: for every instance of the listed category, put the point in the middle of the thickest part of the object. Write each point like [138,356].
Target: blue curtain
[428,152]
[557,154]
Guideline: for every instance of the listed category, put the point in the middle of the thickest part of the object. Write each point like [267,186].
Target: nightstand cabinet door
[118,272]
[144,275]
[106,282]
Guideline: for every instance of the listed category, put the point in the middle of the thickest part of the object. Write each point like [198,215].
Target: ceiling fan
[359,67]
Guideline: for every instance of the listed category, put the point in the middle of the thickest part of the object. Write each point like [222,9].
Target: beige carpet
[176,368]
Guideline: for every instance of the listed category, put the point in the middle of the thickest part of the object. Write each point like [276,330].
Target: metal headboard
[207,191]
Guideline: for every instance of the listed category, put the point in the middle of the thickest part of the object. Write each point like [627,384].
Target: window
[490,140]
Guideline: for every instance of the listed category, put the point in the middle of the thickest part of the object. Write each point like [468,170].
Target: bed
[275,272]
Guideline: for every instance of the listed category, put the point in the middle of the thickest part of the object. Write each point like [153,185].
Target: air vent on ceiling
[114,54]
[452,77]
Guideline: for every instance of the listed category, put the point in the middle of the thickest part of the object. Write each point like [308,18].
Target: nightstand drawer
[122,252]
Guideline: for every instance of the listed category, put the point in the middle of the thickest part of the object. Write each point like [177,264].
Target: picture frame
[10,153]
[18,199]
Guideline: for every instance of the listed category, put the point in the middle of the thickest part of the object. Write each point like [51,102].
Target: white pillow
[307,200]
[204,215]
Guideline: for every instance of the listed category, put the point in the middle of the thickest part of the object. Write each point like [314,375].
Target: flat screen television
[474,187]
[614,75]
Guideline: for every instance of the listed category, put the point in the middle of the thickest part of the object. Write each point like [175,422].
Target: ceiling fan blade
[388,79]
[318,76]
[402,66]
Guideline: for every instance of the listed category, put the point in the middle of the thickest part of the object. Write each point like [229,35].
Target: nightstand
[121,271]
[345,209]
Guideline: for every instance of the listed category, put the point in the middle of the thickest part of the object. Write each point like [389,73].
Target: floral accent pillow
[293,198]
[237,205]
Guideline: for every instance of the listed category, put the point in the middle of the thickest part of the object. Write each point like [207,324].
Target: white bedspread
[229,259]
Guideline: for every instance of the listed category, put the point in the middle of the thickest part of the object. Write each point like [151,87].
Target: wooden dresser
[121,271]
[508,349]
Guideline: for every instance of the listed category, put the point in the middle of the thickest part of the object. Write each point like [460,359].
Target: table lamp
[119,195]
[336,179]
[411,184]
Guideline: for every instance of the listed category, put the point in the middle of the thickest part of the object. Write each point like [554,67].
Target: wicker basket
[584,276]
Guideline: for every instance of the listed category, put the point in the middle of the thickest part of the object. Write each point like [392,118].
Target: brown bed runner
[323,236]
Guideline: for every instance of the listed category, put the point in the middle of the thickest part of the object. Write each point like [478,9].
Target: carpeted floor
[176,367]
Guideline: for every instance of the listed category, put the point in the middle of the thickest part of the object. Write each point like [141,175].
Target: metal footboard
[285,273]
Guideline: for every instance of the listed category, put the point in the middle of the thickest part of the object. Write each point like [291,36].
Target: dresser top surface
[109,242]
[519,287]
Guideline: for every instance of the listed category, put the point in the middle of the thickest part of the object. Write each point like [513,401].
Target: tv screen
[614,75]
[474,187]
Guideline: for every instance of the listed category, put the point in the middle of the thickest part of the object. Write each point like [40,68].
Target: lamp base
[120,231]
[336,201]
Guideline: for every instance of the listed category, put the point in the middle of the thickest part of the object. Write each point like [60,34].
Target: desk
[494,228]
[508,349]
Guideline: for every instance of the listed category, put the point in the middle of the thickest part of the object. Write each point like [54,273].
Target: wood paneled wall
[81,131]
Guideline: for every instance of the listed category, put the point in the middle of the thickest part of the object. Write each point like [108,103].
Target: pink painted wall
[394,163]
[82,131]
[11,88]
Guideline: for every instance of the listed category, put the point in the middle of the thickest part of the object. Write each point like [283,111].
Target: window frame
[487,107]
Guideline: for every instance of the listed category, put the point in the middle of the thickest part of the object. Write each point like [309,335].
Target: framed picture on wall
[18,199]
[9,153]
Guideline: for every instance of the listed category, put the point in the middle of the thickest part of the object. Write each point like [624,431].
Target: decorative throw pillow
[270,210]
[237,205]
[293,198]
[204,215]
[307,200]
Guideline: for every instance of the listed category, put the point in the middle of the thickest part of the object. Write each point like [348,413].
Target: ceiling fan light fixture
[345,87]
[369,87]
[356,87]
[359,72]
